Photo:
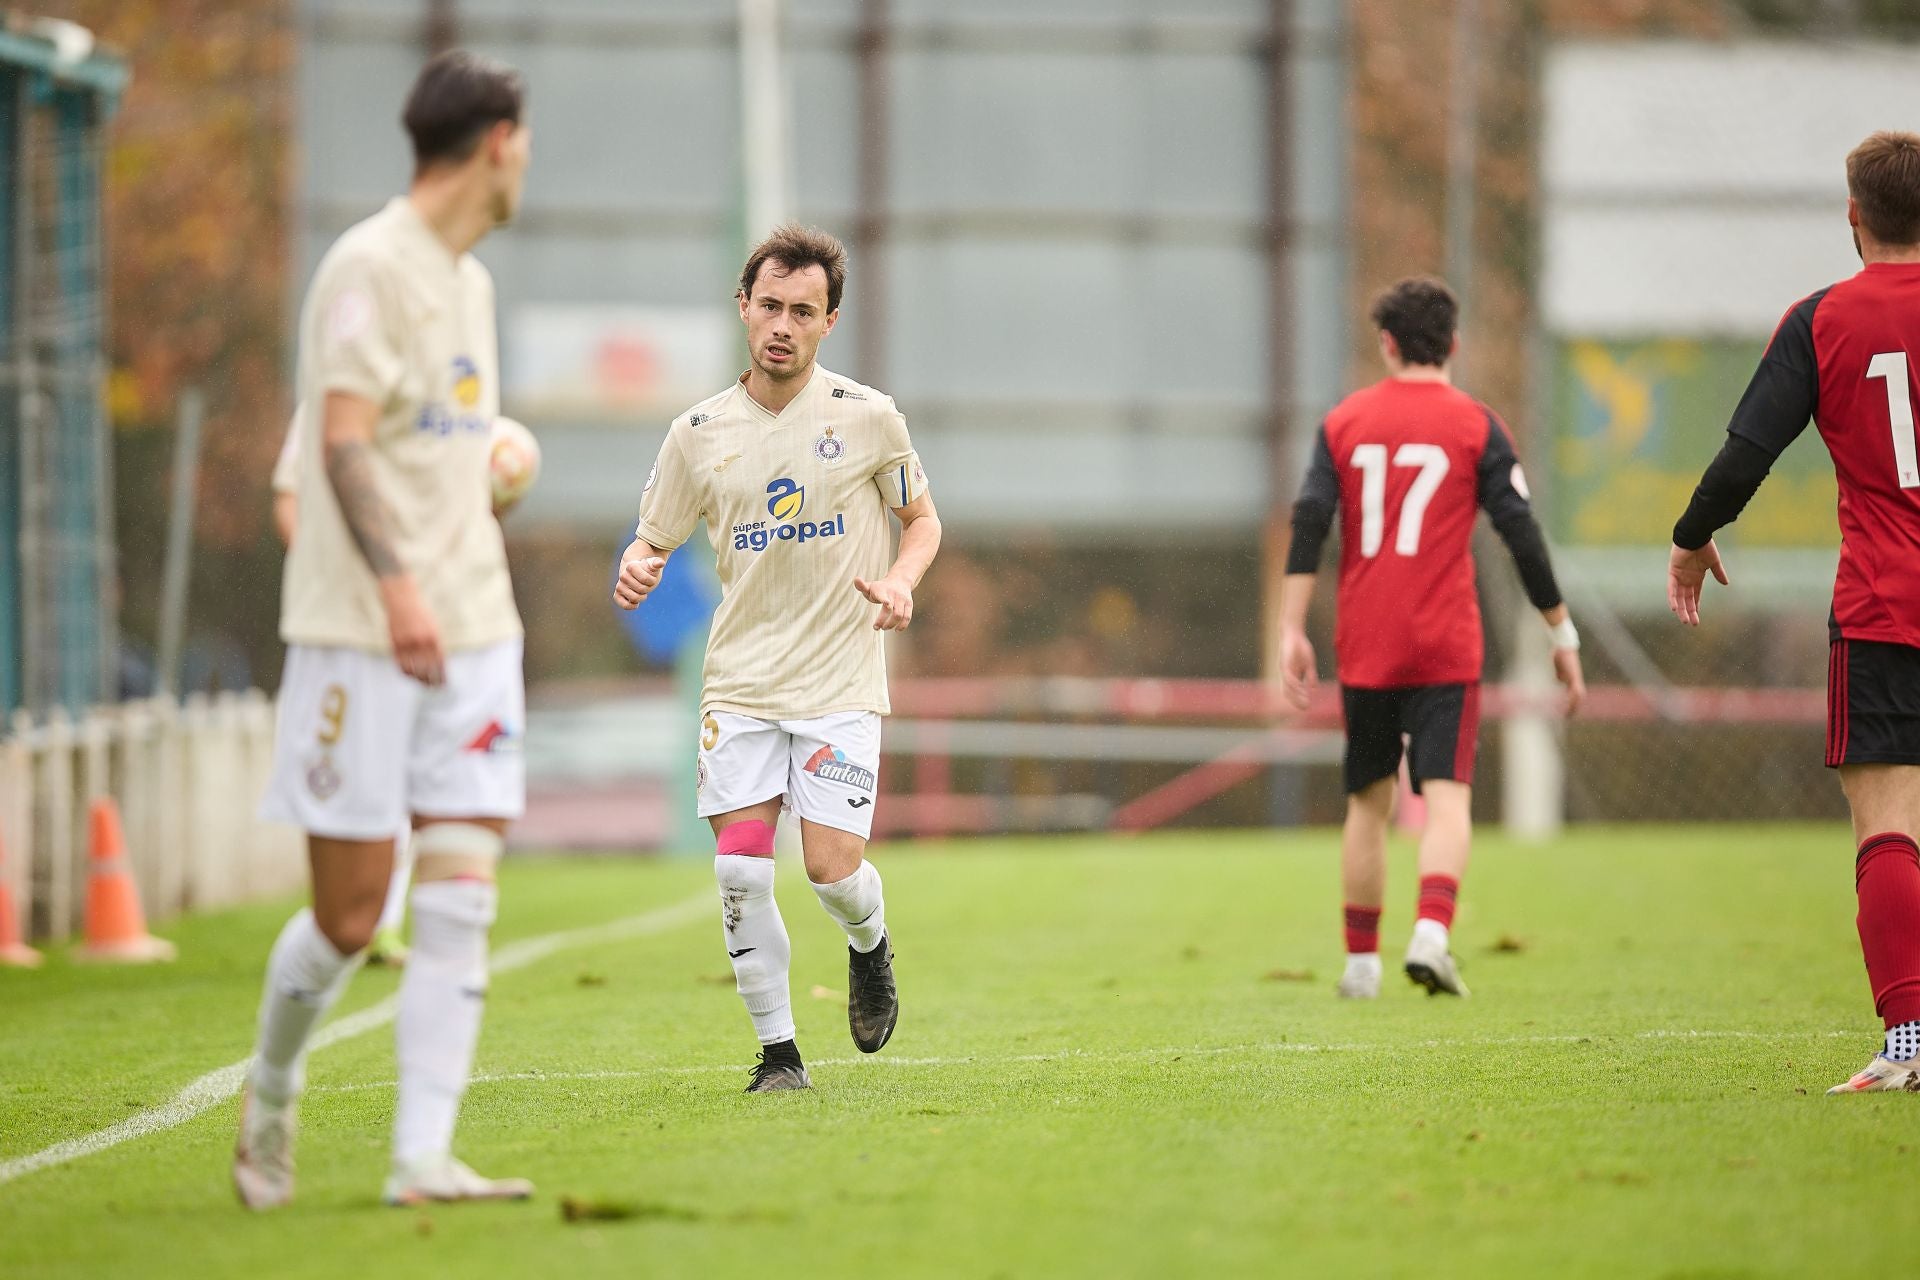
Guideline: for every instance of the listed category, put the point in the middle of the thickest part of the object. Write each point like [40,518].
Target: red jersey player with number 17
[1408,464]
[1844,357]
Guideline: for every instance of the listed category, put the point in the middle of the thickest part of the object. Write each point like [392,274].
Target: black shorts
[1440,722]
[1873,703]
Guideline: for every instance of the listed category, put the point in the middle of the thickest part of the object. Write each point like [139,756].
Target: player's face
[513,148]
[786,316]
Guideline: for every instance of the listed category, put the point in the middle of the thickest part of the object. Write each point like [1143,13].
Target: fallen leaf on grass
[591,980]
[715,979]
[1507,944]
[828,993]
[583,1209]
[1288,975]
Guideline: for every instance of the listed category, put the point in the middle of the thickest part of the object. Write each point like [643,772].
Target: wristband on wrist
[1563,634]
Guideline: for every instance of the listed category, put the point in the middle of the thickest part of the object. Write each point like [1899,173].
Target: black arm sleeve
[1778,403]
[1314,509]
[1502,494]
[1732,479]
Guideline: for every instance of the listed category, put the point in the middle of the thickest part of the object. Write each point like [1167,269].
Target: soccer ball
[515,463]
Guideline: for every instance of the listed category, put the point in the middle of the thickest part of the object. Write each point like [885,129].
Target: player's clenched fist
[895,601]
[638,577]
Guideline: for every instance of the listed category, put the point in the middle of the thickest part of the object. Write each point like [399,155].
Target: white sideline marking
[216,1087]
[1061,1055]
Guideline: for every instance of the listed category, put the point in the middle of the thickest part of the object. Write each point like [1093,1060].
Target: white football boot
[444,1180]
[1430,965]
[263,1154]
[1883,1076]
[1361,981]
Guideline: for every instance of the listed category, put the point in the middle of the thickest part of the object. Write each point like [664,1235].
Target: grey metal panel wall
[1076,300]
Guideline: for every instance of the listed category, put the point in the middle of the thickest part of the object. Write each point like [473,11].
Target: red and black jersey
[1845,358]
[1408,465]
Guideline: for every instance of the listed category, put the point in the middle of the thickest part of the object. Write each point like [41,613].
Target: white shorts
[360,746]
[826,768]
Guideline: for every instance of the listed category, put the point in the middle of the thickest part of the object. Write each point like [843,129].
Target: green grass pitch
[1111,1060]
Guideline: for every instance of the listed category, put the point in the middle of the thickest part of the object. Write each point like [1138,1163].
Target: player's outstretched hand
[1298,673]
[894,599]
[1566,669]
[1687,575]
[638,577]
[414,632]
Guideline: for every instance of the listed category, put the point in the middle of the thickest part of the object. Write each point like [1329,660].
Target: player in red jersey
[1844,357]
[1408,464]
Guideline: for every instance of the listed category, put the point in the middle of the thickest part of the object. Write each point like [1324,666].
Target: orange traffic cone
[116,929]
[14,952]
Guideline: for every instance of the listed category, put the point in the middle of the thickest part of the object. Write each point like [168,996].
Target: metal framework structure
[57,560]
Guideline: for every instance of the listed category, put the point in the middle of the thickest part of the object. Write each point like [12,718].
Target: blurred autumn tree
[1401,64]
[198,241]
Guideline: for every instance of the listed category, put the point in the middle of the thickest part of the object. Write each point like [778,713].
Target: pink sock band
[749,839]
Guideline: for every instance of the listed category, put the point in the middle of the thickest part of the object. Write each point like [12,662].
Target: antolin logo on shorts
[828,763]
[785,500]
[495,738]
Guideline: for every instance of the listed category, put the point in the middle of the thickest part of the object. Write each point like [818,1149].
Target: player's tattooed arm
[350,470]
[347,449]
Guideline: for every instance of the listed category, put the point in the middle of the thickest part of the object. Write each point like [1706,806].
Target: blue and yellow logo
[784,500]
[466,382]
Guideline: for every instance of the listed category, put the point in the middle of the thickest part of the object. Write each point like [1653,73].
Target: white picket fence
[187,778]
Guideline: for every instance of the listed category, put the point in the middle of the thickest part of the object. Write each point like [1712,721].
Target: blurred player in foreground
[1844,357]
[403,691]
[509,484]
[794,470]
[1408,464]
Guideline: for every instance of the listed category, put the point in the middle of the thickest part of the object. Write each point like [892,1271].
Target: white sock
[394,913]
[757,943]
[441,999]
[1903,1042]
[305,975]
[857,905]
[1432,929]
[1367,962]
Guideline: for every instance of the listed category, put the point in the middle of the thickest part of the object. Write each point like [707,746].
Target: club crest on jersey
[829,448]
[831,764]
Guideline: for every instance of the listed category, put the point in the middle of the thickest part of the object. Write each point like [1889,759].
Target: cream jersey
[796,505]
[394,317]
[286,467]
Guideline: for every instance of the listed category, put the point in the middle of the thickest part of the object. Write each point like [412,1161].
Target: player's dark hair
[795,248]
[457,97]
[1421,314]
[1883,177]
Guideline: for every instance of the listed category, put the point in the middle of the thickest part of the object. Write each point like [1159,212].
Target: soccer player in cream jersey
[794,470]
[402,693]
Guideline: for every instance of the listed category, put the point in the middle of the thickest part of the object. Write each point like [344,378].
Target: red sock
[1363,930]
[1886,876]
[1437,896]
